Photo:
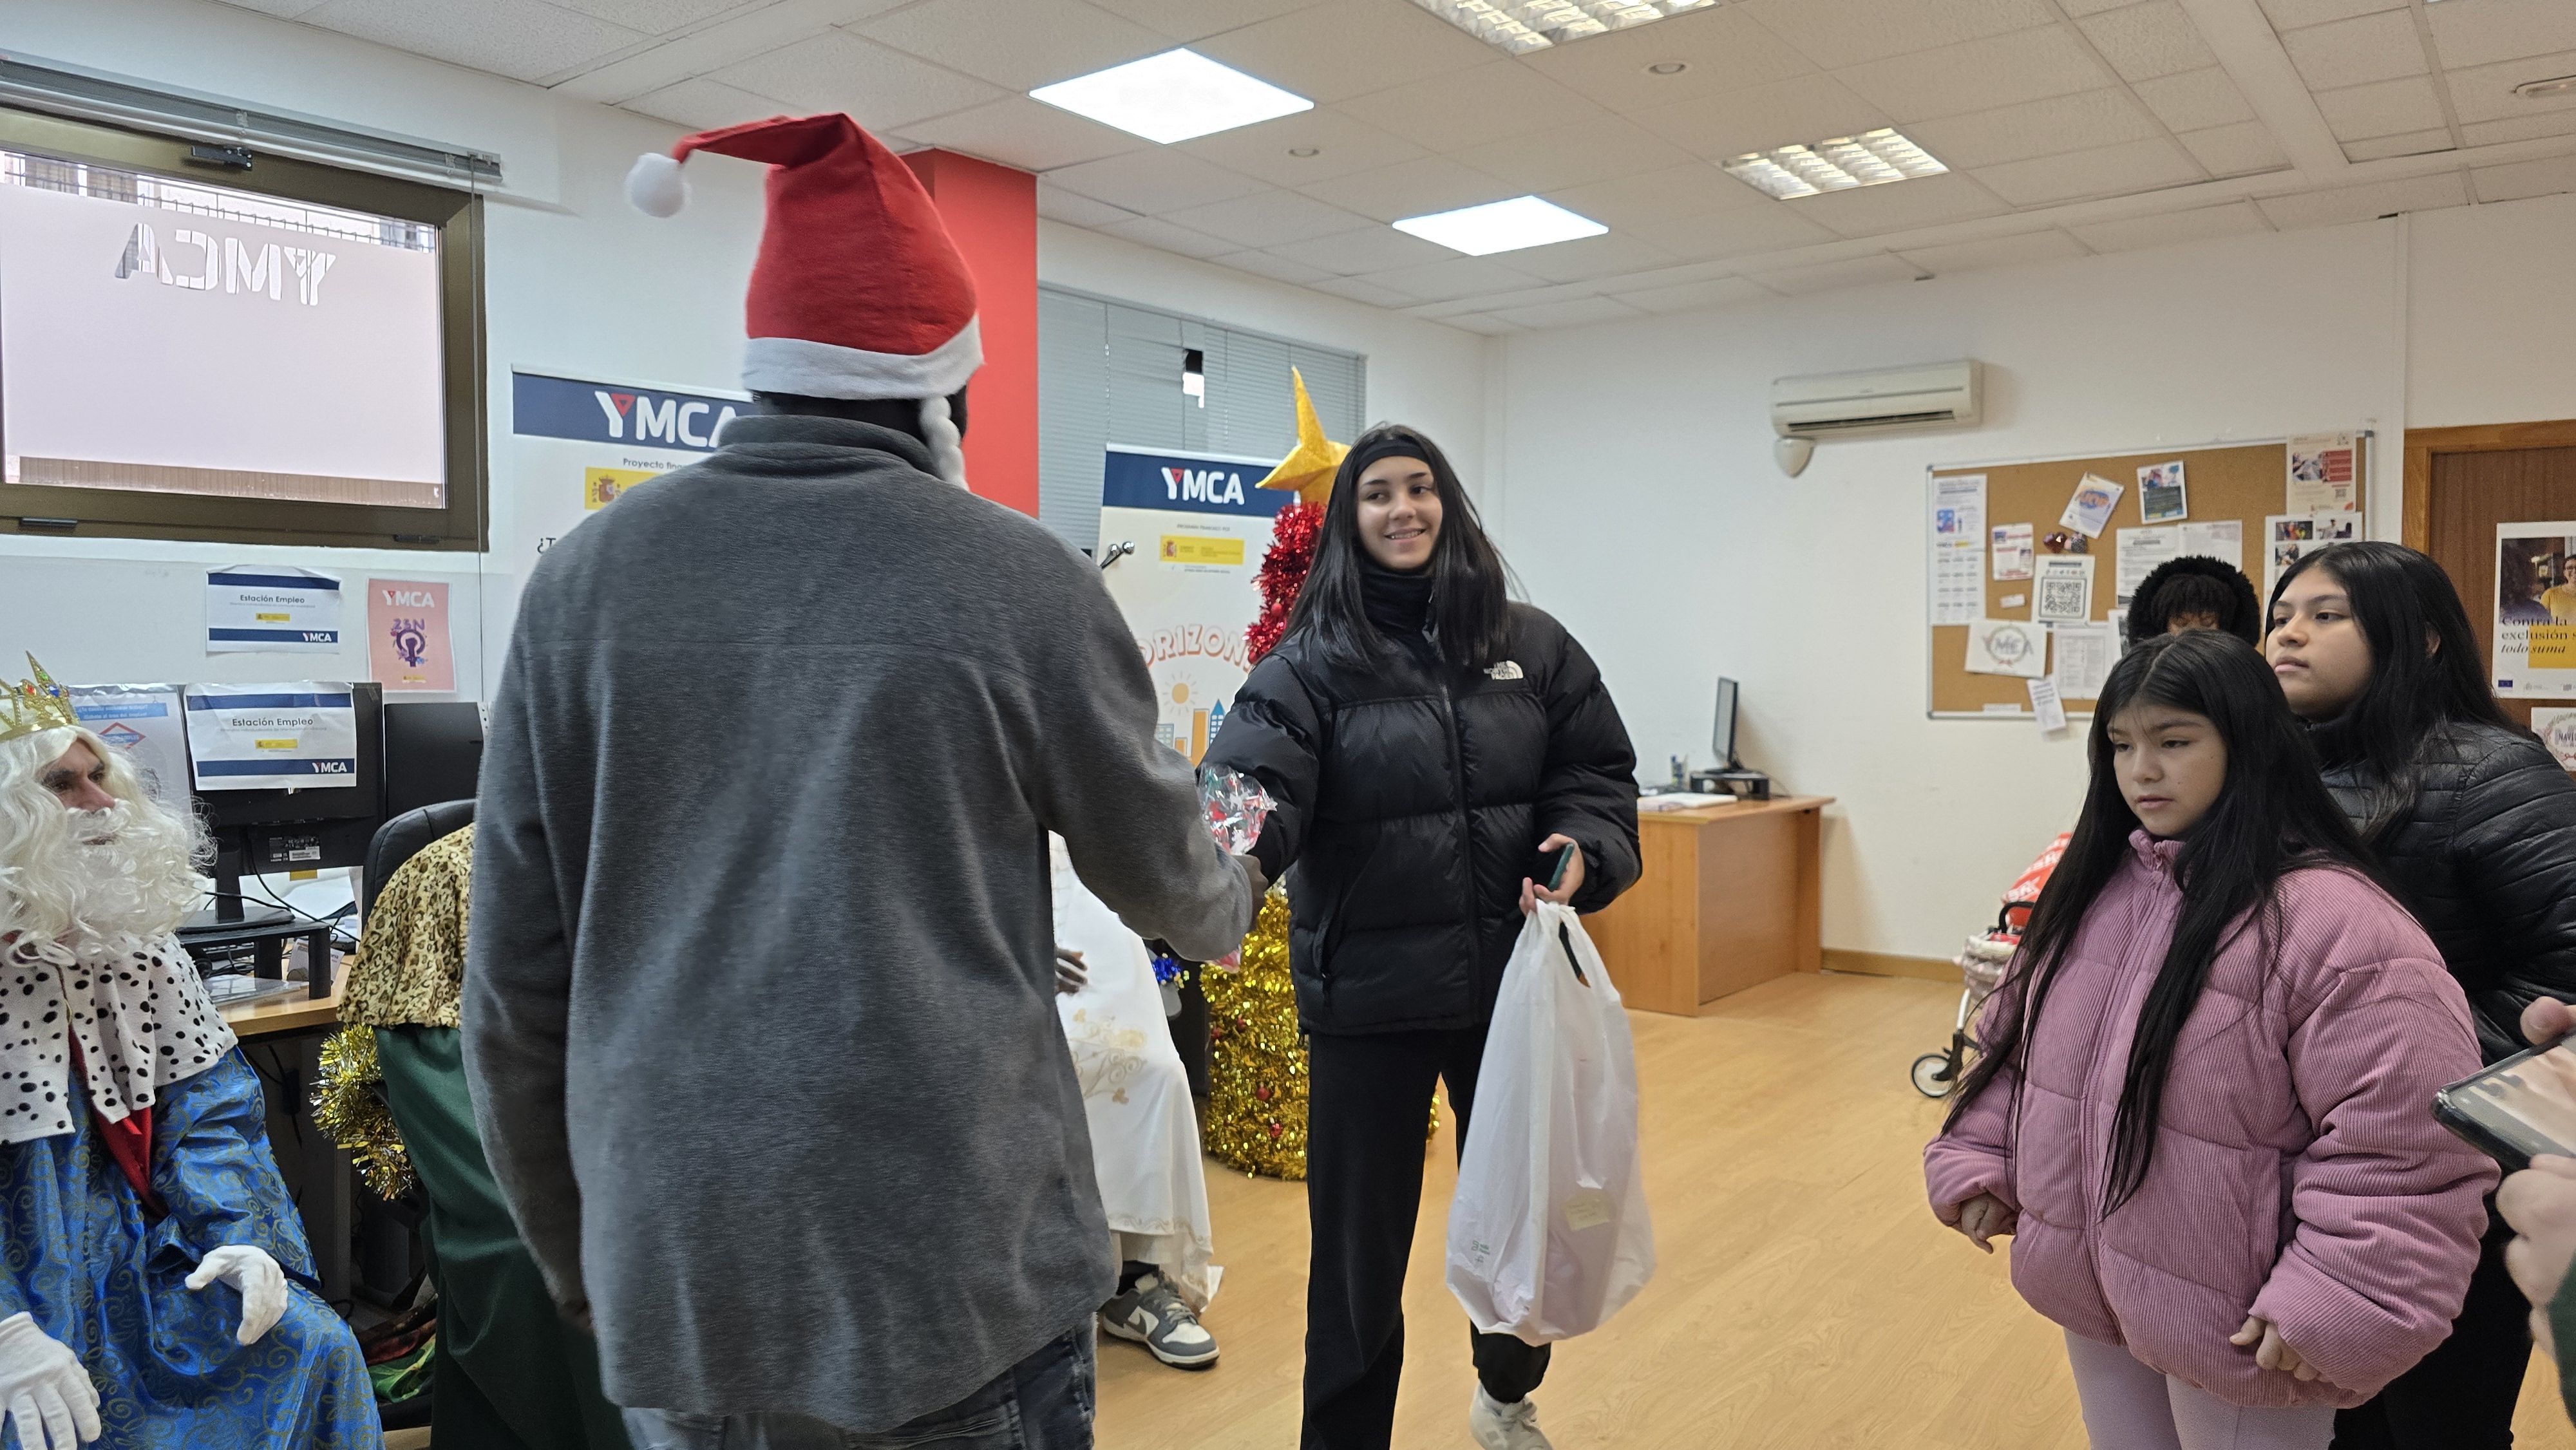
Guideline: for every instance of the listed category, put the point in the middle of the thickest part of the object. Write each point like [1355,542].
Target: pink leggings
[2128,1406]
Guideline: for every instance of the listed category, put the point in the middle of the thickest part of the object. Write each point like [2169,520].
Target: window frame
[462,525]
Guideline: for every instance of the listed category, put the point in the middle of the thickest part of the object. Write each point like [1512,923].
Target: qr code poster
[2063,591]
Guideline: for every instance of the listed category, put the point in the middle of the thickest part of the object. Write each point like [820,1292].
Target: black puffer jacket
[1412,799]
[2485,857]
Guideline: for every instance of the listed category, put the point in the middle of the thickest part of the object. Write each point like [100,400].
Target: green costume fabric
[511,1374]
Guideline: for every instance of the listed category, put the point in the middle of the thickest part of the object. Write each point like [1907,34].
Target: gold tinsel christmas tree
[1256,1118]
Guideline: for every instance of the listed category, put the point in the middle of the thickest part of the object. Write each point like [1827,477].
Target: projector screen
[173,336]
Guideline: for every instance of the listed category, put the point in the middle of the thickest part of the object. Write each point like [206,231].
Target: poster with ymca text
[1198,530]
[407,635]
[579,442]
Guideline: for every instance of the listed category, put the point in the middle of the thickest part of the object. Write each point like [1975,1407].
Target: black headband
[1391,446]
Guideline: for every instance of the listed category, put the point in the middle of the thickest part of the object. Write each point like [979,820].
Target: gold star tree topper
[1309,467]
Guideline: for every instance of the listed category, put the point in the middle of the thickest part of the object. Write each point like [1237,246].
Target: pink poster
[407,635]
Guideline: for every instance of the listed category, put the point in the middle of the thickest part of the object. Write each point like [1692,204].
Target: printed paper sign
[2535,610]
[296,736]
[144,723]
[2221,539]
[2045,704]
[2007,647]
[407,635]
[2063,593]
[2557,730]
[2142,552]
[271,609]
[2085,654]
[2288,538]
[2013,551]
[2161,496]
[1957,534]
[2324,474]
[2088,512]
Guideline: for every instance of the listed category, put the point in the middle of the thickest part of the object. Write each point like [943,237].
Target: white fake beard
[131,874]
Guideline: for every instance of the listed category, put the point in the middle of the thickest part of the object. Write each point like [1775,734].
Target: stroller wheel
[1935,1074]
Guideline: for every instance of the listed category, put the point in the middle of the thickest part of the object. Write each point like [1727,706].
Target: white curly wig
[99,879]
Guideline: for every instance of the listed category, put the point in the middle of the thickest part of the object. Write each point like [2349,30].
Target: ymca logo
[197,262]
[670,420]
[1202,485]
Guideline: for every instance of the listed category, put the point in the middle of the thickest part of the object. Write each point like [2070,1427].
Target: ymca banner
[581,442]
[1193,530]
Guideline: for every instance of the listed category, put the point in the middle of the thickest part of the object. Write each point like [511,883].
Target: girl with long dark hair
[2474,826]
[1430,744]
[2203,1107]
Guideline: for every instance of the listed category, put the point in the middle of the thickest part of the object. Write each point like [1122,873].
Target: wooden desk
[1730,896]
[275,1016]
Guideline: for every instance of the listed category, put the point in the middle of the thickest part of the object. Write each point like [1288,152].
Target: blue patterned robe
[84,1258]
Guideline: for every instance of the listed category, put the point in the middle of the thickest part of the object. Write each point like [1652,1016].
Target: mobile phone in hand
[1552,865]
[2522,1108]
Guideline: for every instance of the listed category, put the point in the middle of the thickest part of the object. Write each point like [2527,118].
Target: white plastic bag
[1548,1234]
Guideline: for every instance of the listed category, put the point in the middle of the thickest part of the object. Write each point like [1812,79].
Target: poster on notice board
[579,442]
[2535,611]
[1190,530]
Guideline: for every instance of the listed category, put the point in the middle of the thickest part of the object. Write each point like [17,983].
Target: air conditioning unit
[1936,395]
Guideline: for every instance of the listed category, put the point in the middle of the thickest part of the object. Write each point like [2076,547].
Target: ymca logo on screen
[667,420]
[196,261]
[1202,485]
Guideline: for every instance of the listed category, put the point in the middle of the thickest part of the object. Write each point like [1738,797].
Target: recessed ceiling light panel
[1873,158]
[1518,27]
[2554,86]
[1172,97]
[1501,226]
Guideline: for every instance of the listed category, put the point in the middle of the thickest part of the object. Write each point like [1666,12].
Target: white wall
[1640,502]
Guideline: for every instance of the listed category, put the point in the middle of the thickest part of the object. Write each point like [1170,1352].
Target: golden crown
[33,705]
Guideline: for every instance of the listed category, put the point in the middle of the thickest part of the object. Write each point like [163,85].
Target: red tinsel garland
[1283,573]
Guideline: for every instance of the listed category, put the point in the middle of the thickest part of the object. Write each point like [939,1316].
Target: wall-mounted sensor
[1793,454]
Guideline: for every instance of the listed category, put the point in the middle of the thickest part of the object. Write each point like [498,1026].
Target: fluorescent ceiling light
[1172,97]
[1518,27]
[1501,226]
[1873,158]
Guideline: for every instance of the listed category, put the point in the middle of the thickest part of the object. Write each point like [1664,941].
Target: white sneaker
[1498,1426]
[1153,1315]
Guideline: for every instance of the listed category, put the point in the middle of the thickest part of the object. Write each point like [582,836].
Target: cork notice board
[2246,482]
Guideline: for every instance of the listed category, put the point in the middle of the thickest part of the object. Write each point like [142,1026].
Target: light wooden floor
[1805,1296]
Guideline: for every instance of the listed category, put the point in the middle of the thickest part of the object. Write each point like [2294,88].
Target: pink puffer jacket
[2298,1172]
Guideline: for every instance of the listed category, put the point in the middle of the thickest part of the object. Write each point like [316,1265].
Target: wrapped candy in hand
[1236,805]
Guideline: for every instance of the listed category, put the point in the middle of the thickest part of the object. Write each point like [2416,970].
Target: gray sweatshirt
[759,1008]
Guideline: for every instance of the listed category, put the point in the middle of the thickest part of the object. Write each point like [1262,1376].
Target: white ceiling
[2069,126]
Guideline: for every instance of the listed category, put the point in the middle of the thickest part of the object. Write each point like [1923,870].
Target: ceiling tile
[505,37]
[1581,312]
[1190,19]
[1483,322]
[1590,259]
[282,9]
[1348,48]
[2171,228]
[1341,146]
[703,105]
[1153,231]
[2195,100]
[2410,143]
[2493,30]
[2106,171]
[1858,272]
[1015,44]
[1694,189]
[1268,219]
[1411,188]
[1157,179]
[2081,8]
[1465,108]
[2356,52]
[1371,249]
[2035,128]
[2544,177]
[1691,296]
[1772,227]
[1057,204]
[653,17]
[1442,281]
[1901,205]
[1017,131]
[1514,297]
[1600,150]
[2362,203]
[838,71]
[1784,113]
[2145,41]
[2047,246]
[2289,15]
[1276,268]
[1368,292]
[2521,128]
[2239,150]
[2027,65]
[2382,108]
[741,33]
[2485,93]
[1723,50]
[1850,32]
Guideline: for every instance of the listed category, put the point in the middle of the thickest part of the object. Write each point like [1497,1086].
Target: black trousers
[2462,1395]
[1368,1101]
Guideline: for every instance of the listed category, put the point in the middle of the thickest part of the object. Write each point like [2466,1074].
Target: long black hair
[2272,815]
[1469,610]
[2426,669]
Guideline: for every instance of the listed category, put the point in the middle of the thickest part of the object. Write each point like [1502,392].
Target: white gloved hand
[261,1282]
[48,1395]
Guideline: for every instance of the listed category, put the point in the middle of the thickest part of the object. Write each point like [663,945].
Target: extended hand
[50,1400]
[2540,1203]
[1070,977]
[261,1282]
[1532,893]
[1981,1218]
[2271,1351]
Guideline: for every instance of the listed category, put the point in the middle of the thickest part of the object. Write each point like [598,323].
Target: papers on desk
[1682,800]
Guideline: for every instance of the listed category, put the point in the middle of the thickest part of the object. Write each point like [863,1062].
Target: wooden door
[2466,494]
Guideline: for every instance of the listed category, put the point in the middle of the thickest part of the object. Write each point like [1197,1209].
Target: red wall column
[992,212]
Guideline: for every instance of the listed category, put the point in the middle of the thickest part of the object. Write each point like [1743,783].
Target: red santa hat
[858,291]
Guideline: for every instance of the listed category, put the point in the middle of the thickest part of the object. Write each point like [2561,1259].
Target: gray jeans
[1042,1403]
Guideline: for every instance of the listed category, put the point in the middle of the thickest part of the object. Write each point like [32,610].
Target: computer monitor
[433,753]
[259,832]
[1721,740]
